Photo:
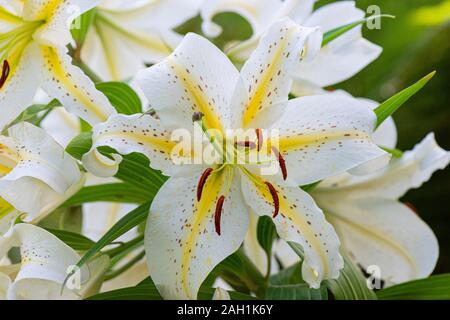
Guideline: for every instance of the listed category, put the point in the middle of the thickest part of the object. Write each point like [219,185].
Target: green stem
[125,267]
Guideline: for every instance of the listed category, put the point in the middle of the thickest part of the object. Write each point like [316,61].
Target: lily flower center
[238,158]
[8,159]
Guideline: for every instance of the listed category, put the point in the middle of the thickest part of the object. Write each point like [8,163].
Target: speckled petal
[67,83]
[321,136]
[267,75]
[300,221]
[181,241]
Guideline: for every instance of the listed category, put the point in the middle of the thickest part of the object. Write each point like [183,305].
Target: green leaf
[432,288]
[81,27]
[114,192]
[76,241]
[291,275]
[33,114]
[140,292]
[146,290]
[351,284]
[299,291]
[266,234]
[339,31]
[239,271]
[387,108]
[124,225]
[121,96]
[80,145]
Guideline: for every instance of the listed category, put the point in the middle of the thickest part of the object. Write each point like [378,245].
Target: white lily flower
[339,60]
[61,125]
[33,54]
[36,175]
[45,263]
[194,224]
[128,34]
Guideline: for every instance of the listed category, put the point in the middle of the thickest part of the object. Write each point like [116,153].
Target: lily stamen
[5,73]
[281,161]
[275,198]
[202,182]
[246,144]
[218,214]
[260,138]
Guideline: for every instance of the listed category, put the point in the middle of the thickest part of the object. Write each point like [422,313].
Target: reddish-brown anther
[246,144]
[5,73]
[259,137]
[276,200]
[202,181]
[218,213]
[281,161]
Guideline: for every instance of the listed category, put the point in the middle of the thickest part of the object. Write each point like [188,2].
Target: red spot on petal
[5,73]
[202,181]
[218,213]
[281,161]
[276,200]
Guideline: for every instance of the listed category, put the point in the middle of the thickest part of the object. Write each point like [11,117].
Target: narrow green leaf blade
[76,241]
[387,108]
[124,225]
[432,288]
[121,96]
[81,26]
[114,192]
[339,31]
[299,291]
[266,234]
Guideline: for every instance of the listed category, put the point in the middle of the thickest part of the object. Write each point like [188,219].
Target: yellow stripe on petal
[196,91]
[263,82]
[303,227]
[288,143]
[157,144]
[201,213]
[47,8]
[5,208]
[63,77]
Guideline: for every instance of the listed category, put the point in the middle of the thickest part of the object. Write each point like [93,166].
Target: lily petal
[44,175]
[197,77]
[62,80]
[58,16]
[128,134]
[386,234]
[413,169]
[300,221]
[326,134]
[259,13]
[181,242]
[345,56]
[45,260]
[267,75]
[19,89]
